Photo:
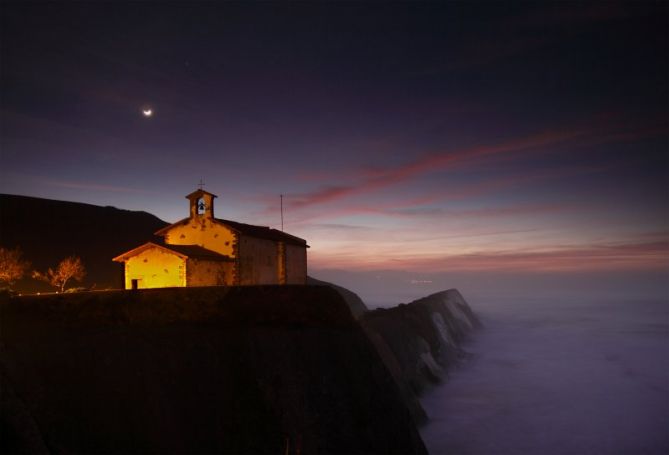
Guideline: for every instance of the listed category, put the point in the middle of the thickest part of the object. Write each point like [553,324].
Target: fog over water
[556,376]
[385,288]
[567,363]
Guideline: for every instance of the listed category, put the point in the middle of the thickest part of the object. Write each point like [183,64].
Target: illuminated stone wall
[209,273]
[281,262]
[204,232]
[155,268]
[258,261]
[296,264]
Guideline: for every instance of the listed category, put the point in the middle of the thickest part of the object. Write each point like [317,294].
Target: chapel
[202,250]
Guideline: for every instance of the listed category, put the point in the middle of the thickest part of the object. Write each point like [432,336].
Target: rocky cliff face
[420,341]
[275,369]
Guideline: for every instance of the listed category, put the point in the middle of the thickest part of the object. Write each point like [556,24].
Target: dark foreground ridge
[355,303]
[254,369]
[267,369]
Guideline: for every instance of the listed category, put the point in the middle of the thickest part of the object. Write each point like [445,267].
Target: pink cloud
[437,161]
[95,187]
[417,206]
[603,257]
[374,179]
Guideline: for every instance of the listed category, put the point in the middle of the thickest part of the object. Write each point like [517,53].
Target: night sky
[405,136]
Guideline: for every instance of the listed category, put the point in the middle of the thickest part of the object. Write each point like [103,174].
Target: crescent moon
[147,112]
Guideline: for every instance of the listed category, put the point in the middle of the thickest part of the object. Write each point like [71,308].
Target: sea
[557,376]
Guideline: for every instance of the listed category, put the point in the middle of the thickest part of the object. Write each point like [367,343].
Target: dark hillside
[48,231]
[355,303]
[253,369]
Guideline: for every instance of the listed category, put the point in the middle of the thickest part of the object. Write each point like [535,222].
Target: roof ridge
[252,230]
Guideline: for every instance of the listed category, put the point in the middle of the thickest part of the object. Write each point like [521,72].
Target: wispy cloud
[602,257]
[528,32]
[374,179]
[568,15]
[95,187]
[424,205]
[489,212]
[339,226]
[382,178]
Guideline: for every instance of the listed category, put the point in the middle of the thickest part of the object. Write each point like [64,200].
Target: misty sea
[556,377]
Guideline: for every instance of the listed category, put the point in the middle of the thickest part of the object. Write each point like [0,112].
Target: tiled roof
[260,232]
[263,232]
[187,251]
[197,252]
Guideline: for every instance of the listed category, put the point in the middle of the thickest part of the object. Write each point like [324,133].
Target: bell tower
[201,204]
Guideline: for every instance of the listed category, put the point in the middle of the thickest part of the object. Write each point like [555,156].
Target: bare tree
[70,268]
[12,266]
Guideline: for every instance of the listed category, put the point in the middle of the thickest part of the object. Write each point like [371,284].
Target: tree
[70,268]
[12,267]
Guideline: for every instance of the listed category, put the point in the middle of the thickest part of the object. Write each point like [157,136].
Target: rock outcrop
[355,303]
[420,341]
[272,369]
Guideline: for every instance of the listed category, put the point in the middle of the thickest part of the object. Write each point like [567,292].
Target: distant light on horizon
[421,281]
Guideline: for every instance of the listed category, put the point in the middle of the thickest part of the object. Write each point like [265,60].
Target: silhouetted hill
[47,231]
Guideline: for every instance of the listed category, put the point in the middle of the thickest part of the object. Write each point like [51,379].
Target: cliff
[420,342]
[272,369]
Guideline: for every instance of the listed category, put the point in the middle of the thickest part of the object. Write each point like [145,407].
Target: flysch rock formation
[420,342]
[259,369]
